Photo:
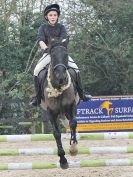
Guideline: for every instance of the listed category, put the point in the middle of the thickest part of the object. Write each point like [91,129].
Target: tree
[106,46]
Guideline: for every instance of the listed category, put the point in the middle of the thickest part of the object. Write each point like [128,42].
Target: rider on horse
[53,29]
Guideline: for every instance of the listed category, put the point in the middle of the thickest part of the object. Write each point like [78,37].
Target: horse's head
[59,62]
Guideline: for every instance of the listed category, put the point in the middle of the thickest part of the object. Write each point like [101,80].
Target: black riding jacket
[47,31]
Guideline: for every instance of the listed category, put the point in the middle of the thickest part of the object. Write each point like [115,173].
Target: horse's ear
[65,41]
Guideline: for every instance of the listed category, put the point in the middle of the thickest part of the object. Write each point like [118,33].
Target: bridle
[53,92]
[60,64]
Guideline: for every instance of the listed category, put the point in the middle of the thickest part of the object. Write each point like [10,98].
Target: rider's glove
[45,50]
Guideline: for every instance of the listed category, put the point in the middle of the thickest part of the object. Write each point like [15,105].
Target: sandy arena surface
[122,171]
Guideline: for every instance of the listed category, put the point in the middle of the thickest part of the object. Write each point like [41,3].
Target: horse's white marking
[53,92]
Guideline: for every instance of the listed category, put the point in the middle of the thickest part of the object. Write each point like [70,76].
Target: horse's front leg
[73,141]
[61,152]
[73,126]
[57,136]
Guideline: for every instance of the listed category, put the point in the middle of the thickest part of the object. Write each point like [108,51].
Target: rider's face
[52,17]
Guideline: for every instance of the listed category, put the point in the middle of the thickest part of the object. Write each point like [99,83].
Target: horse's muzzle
[61,82]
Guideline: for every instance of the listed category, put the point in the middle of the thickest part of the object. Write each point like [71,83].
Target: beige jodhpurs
[45,59]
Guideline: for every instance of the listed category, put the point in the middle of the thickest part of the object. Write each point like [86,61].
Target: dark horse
[60,96]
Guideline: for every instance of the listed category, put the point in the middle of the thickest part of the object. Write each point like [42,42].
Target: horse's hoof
[64,163]
[73,151]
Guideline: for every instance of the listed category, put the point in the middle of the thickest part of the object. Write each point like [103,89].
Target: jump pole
[53,151]
[72,164]
[80,136]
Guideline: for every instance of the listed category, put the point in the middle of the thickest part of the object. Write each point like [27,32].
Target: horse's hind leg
[57,136]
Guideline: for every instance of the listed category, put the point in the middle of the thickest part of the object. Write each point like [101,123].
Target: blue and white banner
[106,114]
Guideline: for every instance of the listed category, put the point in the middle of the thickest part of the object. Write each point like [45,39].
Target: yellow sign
[104,126]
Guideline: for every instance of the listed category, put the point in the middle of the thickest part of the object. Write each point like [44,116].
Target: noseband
[60,65]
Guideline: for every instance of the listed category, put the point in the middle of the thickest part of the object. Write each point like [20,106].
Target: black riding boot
[80,90]
[35,101]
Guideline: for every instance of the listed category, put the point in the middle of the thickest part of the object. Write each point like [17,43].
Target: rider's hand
[45,50]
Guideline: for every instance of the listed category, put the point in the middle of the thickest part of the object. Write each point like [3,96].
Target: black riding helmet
[52,7]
